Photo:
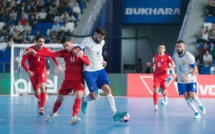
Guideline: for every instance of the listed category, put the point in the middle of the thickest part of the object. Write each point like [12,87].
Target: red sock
[56,106]
[43,99]
[76,107]
[155,97]
[38,96]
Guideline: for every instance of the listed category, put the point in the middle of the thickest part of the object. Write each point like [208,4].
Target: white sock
[191,105]
[111,103]
[87,98]
[196,99]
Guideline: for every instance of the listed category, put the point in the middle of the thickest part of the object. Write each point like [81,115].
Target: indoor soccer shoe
[197,115]
[50,116]
[41,111]
[164,102]
[156,108]
[75,120]
[202,108]
[83,106]
[118,115]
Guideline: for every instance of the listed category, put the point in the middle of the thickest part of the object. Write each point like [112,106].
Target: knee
[93,96]
[106,89]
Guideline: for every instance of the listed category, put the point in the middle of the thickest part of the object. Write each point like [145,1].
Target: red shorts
[160,82]
[37,79]
[68,85]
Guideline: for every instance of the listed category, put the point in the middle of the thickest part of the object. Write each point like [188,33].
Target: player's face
[98,37]
[180,48]
[68,46]
[161,49]
[40,42]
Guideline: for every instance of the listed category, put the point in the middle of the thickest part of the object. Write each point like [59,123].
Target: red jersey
[36,64]
[161,63]
[74,65]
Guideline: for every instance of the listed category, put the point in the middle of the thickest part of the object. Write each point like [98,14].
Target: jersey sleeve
[191,60]
[24,59]
[169,59]
[50,54]
[85,60]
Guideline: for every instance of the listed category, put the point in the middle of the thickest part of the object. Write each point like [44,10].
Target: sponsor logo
[24,86]
[152,11]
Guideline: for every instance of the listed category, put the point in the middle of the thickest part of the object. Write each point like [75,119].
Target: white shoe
[164,102]
[197,115]
[75,120]
[47,96]
[202,108]
[156,108]
[50,116]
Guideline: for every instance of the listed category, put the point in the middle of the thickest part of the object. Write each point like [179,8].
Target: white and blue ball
[125,118]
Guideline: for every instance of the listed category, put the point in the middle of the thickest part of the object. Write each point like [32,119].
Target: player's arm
[24,65]
[192,63]
[85,60]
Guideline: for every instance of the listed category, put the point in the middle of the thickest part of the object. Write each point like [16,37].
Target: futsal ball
[125,118]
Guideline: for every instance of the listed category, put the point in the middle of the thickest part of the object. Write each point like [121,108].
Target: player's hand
[149,64]
[32,51]
[59,68]
[104,63]
[167,69]
[80,54]
[184,78]
[30,73]
[176,78]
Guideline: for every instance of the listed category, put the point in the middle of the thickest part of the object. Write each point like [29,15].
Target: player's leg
[164,92]
[91,80]
[194,97]
[103,83]
[56,106]
[76,107]
[42,80]
[156,85]
[36,88]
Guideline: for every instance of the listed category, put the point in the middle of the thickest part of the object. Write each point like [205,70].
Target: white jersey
[93,51]
[185,65]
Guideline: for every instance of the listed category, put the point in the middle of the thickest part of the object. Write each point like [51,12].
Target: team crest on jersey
[183,62]
[161,60]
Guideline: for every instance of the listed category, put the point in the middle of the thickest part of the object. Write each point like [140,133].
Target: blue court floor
[19,115]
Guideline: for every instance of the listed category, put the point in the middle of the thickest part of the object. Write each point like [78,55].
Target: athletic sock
[43,99]
[155,98]
[76,107]
[191,105]
[38,96]
[56,106]
[196,99]
[165,98]
[111,103]
[87,98]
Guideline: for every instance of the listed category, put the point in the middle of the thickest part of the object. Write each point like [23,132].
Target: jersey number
[158,64]
[38,59]
[72,59]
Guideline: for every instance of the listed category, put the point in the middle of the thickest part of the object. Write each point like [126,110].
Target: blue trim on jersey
[181,55]
[96,79]
[79,47]
[95,40]
[193,65]
[187,87]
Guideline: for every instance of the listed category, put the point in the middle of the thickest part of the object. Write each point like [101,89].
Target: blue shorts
[187,87]
[96,79]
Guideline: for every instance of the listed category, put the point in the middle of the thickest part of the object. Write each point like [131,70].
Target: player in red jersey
[73,79]
[37,70]
[161,63]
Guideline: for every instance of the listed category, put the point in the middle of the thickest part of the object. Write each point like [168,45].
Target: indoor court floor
[19,115]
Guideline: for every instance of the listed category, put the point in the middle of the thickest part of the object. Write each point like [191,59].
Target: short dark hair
[162,44]
[65,39]
[180,41]
[101,30]
[39,36]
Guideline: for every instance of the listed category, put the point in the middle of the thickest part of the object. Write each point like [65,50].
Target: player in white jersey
[187,82]
[95,74]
